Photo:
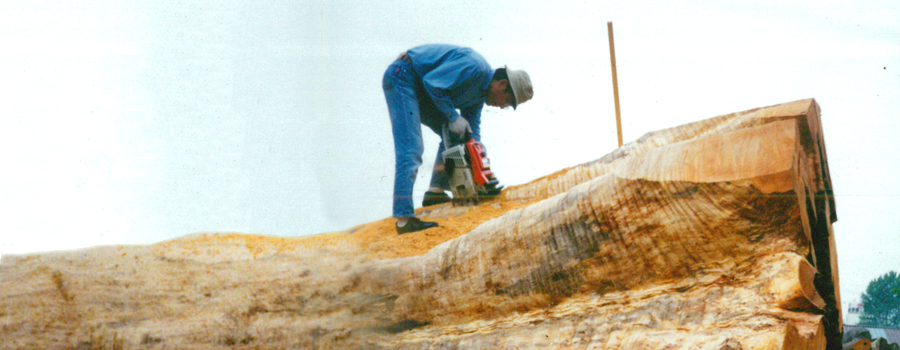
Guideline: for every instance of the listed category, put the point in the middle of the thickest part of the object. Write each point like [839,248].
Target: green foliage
[881,302]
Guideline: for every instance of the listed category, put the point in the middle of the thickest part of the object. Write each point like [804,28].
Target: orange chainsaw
[469,170]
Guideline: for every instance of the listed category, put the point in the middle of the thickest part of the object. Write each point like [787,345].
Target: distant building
[853,310]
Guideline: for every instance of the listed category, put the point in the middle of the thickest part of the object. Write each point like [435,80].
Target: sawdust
[381,240]
[378,239]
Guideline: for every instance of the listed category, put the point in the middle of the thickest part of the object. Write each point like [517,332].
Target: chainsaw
[469,170]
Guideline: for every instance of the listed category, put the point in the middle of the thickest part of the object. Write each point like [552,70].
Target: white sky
[132,122]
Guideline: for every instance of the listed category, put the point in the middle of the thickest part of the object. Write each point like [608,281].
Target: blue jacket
[453,78]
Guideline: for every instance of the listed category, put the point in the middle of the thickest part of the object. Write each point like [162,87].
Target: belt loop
[405,58]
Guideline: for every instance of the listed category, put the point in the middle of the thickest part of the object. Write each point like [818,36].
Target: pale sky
[132,122]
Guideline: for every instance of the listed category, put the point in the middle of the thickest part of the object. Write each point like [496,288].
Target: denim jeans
[400,86]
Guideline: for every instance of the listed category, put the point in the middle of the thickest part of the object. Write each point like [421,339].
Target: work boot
[434,198]
[413,224]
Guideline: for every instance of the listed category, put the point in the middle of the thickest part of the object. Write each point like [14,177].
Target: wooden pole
[612,59]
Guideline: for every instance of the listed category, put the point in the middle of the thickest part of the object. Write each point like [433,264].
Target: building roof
[891,334]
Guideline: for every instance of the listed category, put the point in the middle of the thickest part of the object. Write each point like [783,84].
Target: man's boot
[413,224]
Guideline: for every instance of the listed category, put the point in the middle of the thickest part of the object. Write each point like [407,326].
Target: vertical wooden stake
[612,59]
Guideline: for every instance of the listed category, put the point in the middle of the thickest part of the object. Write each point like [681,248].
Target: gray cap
[521,85]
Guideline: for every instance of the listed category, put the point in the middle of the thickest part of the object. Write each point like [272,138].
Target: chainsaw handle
[445,130]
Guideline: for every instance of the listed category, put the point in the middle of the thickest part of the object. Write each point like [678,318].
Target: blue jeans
[400,86]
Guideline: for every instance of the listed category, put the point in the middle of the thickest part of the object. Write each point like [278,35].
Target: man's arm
[473,115]
[451,77]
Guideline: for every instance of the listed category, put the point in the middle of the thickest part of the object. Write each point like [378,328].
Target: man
[427,85]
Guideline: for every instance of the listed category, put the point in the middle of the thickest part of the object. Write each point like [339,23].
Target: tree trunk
[710,235]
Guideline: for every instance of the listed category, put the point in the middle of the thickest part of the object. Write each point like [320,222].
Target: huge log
[711,235]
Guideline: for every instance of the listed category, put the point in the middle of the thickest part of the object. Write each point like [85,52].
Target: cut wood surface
[858,344]
[711,235]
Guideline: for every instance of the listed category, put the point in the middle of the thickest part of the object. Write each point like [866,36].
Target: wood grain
[710,235]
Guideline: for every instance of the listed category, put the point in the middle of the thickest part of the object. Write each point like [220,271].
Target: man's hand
[459,126]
